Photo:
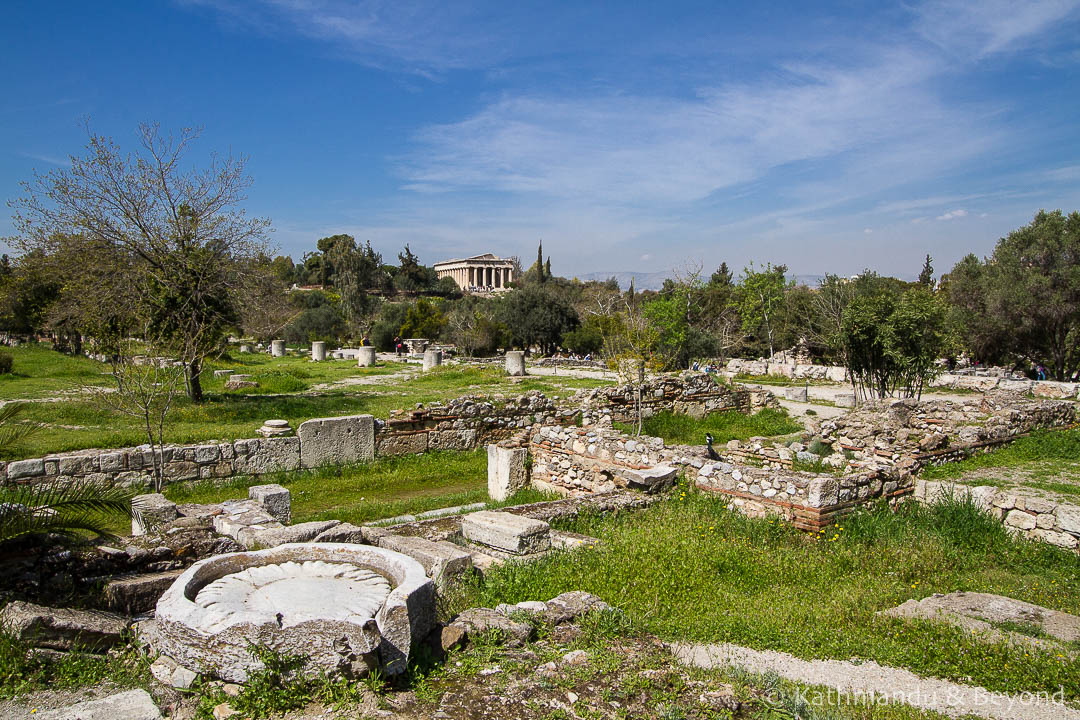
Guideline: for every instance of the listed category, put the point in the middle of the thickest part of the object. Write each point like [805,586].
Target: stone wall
[908,433]
[466,423]
[134,466]
[1037,518]
[945,381]
[693,394]
[583,460]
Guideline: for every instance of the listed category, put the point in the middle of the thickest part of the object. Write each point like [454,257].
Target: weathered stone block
[1061,539]
[277,348]
[1020,519]
[207,453]
[128,705]
[274,499]
[442,564]
[507,532]
[844,400]
[651,479]
[822,492]
[365,357]
[409,443]
[342,533]
[151,510]
[318,351]
[795,394]
[138,593]
[505,471]
[281,454]
[452,439]
[62,628]
[25,469]
[337,441]
[1068,518]
[260,537]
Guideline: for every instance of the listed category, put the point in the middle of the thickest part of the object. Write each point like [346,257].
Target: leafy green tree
[178,233]
[1033,286]
[893,339]
[537,315]
[423,319]
[759,296]
[412,276]
[473,326]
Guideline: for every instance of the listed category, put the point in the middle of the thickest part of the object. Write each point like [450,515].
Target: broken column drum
[365,357]
[432,358]
[277,348]
[347,608]
[515,362]
[318,351]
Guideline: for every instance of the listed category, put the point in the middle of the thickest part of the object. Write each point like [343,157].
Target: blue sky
[627,136]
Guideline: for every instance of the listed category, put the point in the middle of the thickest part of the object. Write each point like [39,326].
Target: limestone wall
[907,433]
[694,394]
[134,466]
[465,423]
[945,381]
[581,460]
[1037,518]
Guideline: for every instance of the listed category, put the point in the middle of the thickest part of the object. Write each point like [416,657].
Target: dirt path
[873,681]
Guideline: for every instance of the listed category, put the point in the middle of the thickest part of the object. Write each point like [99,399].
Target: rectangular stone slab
[507,532]
[337,441]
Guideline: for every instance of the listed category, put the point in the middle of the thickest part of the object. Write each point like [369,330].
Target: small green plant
[810,411]
[817,447]
[6,362]
[70,508]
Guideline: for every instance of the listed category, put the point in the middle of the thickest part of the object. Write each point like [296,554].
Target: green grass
[387,487]
[1038,460]
[683,429]
[689,569]
[287,390]
[39,372]
[21,672]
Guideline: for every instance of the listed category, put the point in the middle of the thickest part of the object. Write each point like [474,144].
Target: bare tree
[146,388]
[179,232]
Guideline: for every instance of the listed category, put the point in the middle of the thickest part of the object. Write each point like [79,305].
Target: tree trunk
[194,383]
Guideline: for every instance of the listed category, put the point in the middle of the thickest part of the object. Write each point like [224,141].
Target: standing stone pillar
[432,358]
[245,348]
[506,471]
[365,357]
[318,351]
[515,362]
[277,348]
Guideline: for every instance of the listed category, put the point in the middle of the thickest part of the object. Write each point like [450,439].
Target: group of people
[707,368]
[571,356]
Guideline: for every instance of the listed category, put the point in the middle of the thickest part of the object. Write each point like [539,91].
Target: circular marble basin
[346,607]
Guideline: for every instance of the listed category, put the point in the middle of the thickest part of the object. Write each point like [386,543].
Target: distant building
[479,274]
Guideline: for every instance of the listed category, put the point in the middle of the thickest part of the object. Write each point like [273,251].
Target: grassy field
[683,429]
[1045,460]
[689,569]
[387,487]
[292,388]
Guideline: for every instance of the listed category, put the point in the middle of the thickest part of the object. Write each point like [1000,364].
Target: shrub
[6,361]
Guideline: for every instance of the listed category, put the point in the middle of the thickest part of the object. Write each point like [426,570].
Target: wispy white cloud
[46,158]
[984,27]
[953,214]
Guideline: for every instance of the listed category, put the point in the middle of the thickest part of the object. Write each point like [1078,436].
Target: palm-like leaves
[63,508]
[10,431]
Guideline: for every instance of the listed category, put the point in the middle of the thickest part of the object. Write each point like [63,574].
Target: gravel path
[871,680]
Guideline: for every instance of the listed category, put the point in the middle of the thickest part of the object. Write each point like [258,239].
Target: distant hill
[642,280]
[655,280]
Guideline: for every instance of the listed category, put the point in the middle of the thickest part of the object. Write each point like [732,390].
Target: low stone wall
[577,460]
[693,394]
[908,433]
[134,466]
[945,381]
[1036,518]
[569,363]
[466,423]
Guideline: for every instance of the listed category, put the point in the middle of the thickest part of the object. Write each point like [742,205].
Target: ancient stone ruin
[349,608]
